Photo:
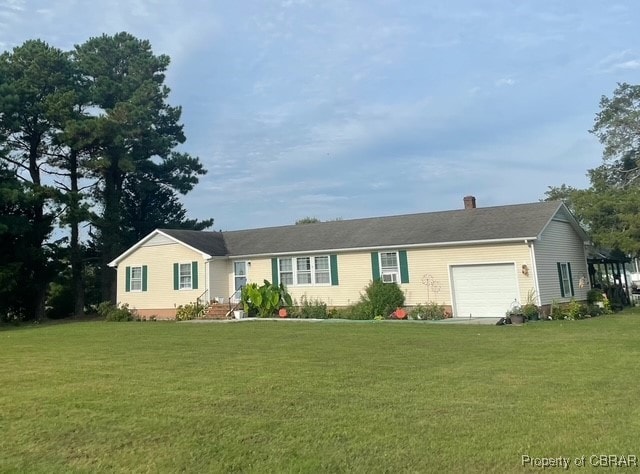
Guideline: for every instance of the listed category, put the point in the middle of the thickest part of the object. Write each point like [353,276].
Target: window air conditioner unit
[389,278]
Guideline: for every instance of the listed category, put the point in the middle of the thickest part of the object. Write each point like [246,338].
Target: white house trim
[114,263]
[386,247]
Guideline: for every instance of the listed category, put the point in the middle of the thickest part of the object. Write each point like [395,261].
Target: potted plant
[515,315]
[530,311]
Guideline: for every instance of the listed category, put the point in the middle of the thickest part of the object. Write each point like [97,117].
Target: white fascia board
[387,247]
[118,259]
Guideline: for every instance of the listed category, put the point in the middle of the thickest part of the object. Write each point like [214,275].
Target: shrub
[430,311]
[383,298]
[557,310]
[359,311]
[595,310]
[115,313]
[570,311]
[314,309]
[530,311]
[575,310]
[190,311]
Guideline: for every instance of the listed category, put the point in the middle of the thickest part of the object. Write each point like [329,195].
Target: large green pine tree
[32,78]
[135,132]
[87,136]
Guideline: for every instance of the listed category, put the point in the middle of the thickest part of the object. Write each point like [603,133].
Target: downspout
[534,268]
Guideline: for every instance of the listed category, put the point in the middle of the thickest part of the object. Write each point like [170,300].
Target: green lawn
[316,397]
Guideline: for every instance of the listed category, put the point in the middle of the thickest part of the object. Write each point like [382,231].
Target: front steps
[218,311]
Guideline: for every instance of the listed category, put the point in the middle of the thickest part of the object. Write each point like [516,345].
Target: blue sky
[345,109]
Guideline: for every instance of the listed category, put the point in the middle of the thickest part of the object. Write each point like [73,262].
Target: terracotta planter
[400,313]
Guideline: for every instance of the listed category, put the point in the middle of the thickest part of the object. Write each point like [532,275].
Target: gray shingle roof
[486,223]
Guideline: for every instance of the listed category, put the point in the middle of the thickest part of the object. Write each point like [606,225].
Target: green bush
[190,311]
[530,311]
[429,311]
[379,299]
[312,309]
[576,310]
[383,298]
[595,310]
[570,311]
[115,313]
[358,311]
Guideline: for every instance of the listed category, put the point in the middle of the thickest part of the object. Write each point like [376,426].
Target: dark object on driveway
[503,321]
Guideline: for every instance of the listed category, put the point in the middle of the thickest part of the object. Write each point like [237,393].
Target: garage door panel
[483,290]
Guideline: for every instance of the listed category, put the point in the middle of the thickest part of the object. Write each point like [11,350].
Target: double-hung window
[185,276]
[286,271]
[303,267]
[322,270]
[136,278]
[389,268]
[305,271]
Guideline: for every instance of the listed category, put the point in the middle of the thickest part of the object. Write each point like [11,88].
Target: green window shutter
[176,277]
[404,267]
[375,266]
[573,293]
[274,271]
[127,279]
[333,261]
[560,278]
[144,278]
[194,275]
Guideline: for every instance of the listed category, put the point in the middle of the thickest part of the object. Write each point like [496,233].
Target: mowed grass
[316,397]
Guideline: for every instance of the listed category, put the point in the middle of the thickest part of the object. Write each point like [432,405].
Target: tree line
[610,207]
[89,164]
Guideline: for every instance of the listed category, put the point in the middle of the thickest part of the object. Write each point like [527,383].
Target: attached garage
[486,290]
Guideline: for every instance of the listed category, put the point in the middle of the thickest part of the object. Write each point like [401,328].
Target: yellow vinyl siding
[354,272]
[159,260]
[434,264]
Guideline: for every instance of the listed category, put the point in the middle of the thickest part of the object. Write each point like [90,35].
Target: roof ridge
[413,214]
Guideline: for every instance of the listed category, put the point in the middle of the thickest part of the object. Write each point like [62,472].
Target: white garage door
[483,290]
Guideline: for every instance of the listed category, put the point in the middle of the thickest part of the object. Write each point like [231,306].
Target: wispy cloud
[353,109]
[626,59]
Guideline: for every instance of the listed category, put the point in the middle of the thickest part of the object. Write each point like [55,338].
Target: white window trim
[131,278]
[395,274]
[180,288]
[294,270]
[566,280]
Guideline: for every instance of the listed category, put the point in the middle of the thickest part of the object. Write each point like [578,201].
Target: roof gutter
[383,247]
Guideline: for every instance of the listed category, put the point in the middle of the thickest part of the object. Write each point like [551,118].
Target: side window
[185,276]
[286,271]
[565,278]
[389,269]
[136,278]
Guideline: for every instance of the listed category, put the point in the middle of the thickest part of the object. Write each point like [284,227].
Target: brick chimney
[469,202]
